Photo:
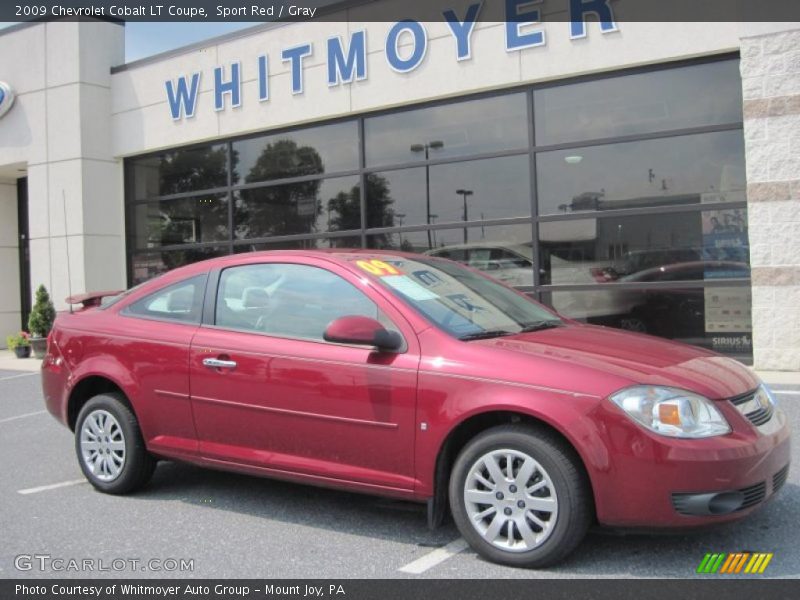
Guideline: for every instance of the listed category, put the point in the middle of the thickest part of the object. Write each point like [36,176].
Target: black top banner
[397,10]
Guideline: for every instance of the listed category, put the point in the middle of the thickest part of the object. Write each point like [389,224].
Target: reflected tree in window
[344,209]
[193,169]
[281,209]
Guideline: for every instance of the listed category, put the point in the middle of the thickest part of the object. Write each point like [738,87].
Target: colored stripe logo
[735,563]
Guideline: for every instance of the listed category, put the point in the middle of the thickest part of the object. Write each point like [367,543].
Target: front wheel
[109,445]
[519,496]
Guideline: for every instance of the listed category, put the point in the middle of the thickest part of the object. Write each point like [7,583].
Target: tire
[558,488]
[109,445]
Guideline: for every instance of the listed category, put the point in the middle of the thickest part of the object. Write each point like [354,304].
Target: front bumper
[658,482]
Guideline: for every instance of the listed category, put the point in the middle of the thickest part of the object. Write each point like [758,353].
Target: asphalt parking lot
[238,526]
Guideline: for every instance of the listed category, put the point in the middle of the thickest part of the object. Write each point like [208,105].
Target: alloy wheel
[510,500]
[102,445]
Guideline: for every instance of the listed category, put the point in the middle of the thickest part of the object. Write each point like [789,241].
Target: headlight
[672,412]
[767,391]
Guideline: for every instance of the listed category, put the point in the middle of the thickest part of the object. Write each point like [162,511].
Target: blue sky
[146,39]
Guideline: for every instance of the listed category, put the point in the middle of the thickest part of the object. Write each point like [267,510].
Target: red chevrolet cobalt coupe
[418,378]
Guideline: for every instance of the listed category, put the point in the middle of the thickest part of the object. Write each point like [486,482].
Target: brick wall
[770,69]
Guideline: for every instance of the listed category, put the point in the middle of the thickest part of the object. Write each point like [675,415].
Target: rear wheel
[519,496]
[109,445]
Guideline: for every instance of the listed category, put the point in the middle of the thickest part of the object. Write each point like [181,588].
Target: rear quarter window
[182,302]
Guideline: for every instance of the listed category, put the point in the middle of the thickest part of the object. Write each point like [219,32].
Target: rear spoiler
[91,299]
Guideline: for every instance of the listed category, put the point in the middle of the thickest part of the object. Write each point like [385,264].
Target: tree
[43,314]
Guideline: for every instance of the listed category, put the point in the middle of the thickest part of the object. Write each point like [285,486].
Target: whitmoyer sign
[405,47]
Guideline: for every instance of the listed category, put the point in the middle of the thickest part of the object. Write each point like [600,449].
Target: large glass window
[711,244]
[693,96]
[624,185]
[177,171]
[692,169]
[504,252]
[718,318]
[191,220]
[495,188]
[301,153]
[313,206]
[456,129]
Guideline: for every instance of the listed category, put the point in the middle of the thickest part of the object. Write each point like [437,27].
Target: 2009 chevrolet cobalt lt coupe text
[414,377]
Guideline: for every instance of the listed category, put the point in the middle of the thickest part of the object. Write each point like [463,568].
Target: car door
[152,341]
[268,392]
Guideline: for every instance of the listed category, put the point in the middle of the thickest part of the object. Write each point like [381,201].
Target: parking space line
[52,486]
[38,412]
[17,376]
[434,558]
[787,392]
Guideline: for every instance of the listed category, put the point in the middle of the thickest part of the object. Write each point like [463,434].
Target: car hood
[599,360]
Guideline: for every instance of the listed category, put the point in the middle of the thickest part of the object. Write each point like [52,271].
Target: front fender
[447,402]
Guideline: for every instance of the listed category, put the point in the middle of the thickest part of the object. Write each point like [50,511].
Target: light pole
[435,145]
[464,194]
[433,222]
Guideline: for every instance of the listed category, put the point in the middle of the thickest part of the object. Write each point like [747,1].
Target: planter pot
[39,346]
[22,351]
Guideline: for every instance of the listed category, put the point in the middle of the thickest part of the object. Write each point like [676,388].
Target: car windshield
[457,300]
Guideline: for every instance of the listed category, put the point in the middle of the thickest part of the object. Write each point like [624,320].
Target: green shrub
[42,315]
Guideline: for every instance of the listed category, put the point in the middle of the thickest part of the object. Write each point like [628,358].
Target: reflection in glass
[177,171]
[477,190]
[146,265]
[693,169]
[311,151]
[337,242]
[712,244]
[307,207]
[182,221]
[504,252]
[718,318]
[458,129]
[692,96]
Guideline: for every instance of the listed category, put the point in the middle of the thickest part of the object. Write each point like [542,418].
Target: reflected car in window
[413,377]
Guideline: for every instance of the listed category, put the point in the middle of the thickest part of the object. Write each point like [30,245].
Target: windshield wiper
[486,334]
[540,325]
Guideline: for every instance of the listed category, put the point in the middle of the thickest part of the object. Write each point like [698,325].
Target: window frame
[538,290]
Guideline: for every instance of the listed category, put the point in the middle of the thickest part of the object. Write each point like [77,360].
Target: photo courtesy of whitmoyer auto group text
[399,299]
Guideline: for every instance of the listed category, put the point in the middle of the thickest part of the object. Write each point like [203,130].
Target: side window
[182,301]
[288,300]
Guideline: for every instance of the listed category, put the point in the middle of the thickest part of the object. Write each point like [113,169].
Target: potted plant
[40,321]
[20,343]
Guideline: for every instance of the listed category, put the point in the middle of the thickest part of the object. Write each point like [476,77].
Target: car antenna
[66,241]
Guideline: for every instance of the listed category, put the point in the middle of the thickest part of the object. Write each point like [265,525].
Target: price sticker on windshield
[377,267]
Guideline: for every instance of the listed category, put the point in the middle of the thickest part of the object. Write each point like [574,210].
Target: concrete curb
[9,362]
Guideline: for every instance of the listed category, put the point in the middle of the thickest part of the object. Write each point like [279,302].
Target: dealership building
[634,174]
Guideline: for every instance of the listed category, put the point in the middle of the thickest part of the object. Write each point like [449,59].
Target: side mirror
[363,331]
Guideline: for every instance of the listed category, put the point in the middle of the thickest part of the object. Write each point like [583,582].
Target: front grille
[753,495]
[780,478]
[680,502]
[700,503]
[757,416]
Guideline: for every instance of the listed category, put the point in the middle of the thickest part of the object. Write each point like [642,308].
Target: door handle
[216,363]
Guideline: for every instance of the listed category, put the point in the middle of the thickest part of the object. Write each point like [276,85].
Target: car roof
[338,255]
